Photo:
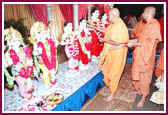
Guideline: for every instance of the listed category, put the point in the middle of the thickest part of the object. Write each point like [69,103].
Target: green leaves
[19,25]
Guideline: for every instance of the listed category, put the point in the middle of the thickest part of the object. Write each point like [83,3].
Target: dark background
[137,9]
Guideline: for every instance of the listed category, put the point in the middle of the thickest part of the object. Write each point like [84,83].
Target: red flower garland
[44,55]
[83,33]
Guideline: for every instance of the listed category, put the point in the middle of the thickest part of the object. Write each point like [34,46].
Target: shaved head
[151,10]
[149,13]
[114,14]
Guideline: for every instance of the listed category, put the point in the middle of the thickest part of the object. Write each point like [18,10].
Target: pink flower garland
[14,56]
[44,55]
[28,52]
[25,73]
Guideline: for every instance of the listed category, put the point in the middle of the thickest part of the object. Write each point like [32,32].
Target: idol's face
[96,14]
[83,24]
[68,28]
[15,43]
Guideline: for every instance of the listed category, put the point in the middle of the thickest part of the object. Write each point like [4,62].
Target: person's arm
[133,42]
[96,28]
[109,41]
[114,47]
[90,25]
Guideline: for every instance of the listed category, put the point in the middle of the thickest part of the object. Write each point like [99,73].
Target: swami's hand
[132,44]
[90,25]
[100,40]
[114,47]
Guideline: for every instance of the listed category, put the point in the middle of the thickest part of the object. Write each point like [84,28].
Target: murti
[19,58]
[44,52]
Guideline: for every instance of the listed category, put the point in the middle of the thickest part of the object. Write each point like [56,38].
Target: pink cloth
[23,89]
[40,12]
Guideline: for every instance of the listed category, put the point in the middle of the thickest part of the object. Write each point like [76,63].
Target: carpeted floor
[125,97]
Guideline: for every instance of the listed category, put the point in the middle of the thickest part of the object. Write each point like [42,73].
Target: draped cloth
[40,12]
[161,21]
[144,56]
[17,11]
[82,11]
[58,22]
[138,28]
[114,60]
[67,11]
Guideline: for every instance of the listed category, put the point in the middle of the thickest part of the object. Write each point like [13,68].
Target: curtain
[58,22]
[82,11]
[17,11]
[102,7]
[40,12]
[106,8]
[67,11]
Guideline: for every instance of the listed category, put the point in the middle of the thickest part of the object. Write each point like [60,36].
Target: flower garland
[52,64]
[14,56]
[28,52]
[25,73]
[83,33]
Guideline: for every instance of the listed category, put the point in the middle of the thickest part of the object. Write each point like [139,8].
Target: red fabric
[82,11]
[82,33]
[40,12]
[106,25]
[67,11]
[82,56]
[161,21]
[106,8]
[88,46]
[95,50]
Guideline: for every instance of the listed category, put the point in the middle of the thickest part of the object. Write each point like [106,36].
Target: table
[73,89]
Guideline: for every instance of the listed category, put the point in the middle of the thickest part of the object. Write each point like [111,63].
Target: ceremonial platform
[74,90]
